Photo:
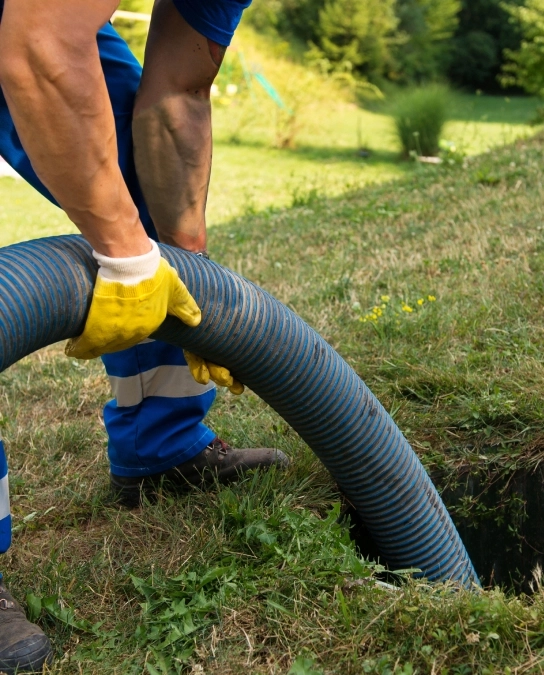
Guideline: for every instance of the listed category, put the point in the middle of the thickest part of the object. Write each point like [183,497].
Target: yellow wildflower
[420,301]
[431,298]
[385,298]
[406,308]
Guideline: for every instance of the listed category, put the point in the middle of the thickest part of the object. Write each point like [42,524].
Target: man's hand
[131,299]
[204,371]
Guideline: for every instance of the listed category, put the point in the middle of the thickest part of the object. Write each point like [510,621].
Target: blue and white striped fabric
[5,514]
[155,421]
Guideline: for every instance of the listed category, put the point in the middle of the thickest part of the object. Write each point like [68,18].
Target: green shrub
[419,116]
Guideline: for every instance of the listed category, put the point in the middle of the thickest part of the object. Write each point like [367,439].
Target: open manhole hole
[500,520]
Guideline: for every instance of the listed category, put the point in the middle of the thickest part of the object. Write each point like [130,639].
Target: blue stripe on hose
[279,357]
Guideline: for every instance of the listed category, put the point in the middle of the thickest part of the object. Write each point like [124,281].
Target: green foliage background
[404,41]
[485,30]
[474,44]
[526,64]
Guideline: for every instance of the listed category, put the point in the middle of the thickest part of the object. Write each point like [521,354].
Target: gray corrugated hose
[45,292]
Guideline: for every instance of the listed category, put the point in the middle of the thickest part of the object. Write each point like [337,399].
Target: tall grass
[419,116]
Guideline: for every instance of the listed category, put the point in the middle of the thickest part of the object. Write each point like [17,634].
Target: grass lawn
[258,578]
[326,157]
[252,175]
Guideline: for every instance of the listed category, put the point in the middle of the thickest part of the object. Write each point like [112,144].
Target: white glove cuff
[129,271]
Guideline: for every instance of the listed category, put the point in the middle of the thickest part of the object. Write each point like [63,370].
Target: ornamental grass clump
[419,115]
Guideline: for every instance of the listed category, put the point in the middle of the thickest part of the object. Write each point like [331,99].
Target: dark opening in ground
[501,522]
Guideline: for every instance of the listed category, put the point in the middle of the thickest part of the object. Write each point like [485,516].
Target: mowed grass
[252,175]
[25,214]
[326,157]
[259,578]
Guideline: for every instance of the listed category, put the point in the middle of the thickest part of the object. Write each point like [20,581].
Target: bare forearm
[57,96]
[172,126]
[173,148]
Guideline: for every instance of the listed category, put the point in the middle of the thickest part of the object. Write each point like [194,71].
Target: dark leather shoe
[218,461]
[24,648]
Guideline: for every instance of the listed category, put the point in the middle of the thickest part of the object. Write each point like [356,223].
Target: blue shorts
[215,19]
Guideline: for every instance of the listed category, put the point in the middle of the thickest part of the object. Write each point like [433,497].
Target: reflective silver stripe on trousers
[4,498]
[167,381]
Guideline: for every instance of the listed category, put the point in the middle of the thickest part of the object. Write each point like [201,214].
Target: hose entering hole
[45,292]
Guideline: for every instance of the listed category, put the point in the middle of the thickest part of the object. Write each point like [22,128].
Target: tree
[301,18]
[475,57]
[297,19]
[525,66]
[356,35]
[484,32]
[425,29]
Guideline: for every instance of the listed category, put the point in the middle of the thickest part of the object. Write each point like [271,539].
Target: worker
[126,154]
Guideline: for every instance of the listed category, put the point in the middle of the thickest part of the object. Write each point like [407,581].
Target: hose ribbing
[45,292]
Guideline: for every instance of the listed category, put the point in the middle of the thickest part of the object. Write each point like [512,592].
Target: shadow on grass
[322,153]
[481,108]
[494,109]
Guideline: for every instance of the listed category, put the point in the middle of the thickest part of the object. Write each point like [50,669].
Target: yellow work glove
[204,371]
[131,299]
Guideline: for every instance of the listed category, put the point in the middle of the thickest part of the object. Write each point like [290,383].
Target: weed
[263,537]
[390,314]
[419,116]
[487,176]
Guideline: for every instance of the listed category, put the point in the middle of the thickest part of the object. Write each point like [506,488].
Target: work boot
[218,461]
[24,648]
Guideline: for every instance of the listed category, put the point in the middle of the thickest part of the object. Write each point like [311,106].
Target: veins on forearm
[173,156]
[217,52]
